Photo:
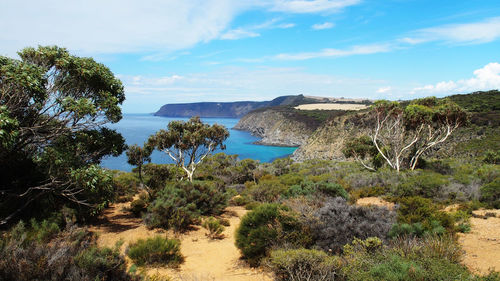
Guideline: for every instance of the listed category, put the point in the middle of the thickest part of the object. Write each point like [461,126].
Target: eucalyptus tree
[401,135]
[187,143]
[138,156]
[53,106]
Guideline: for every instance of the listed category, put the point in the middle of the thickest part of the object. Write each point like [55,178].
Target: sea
[136,128]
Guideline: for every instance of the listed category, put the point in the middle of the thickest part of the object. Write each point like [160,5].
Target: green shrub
[423,213]
[308,188]
[138,206]
[490,193]
[125,184]
[181,205]
[265,226]
[214,227]
[269,189]
[302,264]
[156,250]
[423,183]
[71,255]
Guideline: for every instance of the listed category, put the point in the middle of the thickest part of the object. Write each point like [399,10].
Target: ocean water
[136,128]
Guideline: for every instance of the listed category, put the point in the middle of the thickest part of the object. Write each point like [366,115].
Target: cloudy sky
[172,51]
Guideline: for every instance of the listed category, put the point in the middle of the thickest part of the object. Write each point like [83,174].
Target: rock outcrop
[278,126]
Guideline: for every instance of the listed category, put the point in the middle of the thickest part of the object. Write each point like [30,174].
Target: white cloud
[94,26]
[486,78]
[384,90]
[239,33]
[468,33]
[312,6]
[356,50]
[321,26]
[286,25]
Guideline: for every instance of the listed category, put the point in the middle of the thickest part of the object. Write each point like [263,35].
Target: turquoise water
[136,128]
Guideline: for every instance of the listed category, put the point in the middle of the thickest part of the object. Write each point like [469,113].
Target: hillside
[227,109]
[482,134]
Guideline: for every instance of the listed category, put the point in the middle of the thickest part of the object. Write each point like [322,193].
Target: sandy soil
[375,201]
[331,106]
[205,259]
[482,244]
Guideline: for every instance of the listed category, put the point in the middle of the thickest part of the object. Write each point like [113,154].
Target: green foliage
[71,255]
[138,156]
[492,157]
[265,226]
[138,207]
[269,189]
[214,227]
[181,205]
[158,174]
[125,184]
[479,101]
[189,141]
[490,193]
[52,110]
[156,250]
[419,216]
[425,184]
[302,264]
[308,188]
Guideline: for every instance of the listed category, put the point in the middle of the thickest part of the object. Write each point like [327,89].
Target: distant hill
[227,109]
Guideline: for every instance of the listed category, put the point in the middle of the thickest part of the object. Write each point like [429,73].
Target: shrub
[156,250]
[308,188]
[125,184]
[422,183]
[265,226]
[302,264]
[423,213]
[71,255]
[157,175]
[490,193]
[339,223]
[181,205]
[214,227]
[138,206]
[269,189]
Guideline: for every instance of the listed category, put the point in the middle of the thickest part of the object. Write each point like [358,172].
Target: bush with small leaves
[423,216]
[303,264]
[265,226]
[309,188]
[156,250]
[338,223]
[214,227]
[490,193]
[138,206]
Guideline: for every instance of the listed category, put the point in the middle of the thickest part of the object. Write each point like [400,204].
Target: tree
[138,156]
[403,134]
[188,143]
[52,110]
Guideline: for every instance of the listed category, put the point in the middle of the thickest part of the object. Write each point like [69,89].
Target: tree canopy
[52,108]
[189,142]
[401,135]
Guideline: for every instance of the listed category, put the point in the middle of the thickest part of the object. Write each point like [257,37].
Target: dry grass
[331,106]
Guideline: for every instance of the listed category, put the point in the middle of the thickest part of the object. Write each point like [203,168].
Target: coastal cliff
[328,140]
[279,126]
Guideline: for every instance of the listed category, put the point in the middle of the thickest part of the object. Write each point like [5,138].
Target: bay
[136,128]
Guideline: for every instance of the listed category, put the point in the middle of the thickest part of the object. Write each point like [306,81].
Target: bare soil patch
[366,201]
[482,243]
[205,259]
[331,106]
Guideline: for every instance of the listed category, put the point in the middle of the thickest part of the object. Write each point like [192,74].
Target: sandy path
[205,259]
[367,201]
[482,243]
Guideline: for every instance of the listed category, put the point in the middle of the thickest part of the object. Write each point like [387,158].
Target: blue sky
[221,50]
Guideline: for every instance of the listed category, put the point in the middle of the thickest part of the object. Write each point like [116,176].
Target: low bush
[266,226]
[71,255]
[422,183]
[490,193]
[338,223]
[308,188]
[138,206]
[269,189]
[156,250]
[125,184]
[214,227]
[302,264]
[181,205]
[423,216]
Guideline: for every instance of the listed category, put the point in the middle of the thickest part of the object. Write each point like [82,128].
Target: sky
[178,51]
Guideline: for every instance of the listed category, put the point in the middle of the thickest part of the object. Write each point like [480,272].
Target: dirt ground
[205,259]
[375,201]
[482,243]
